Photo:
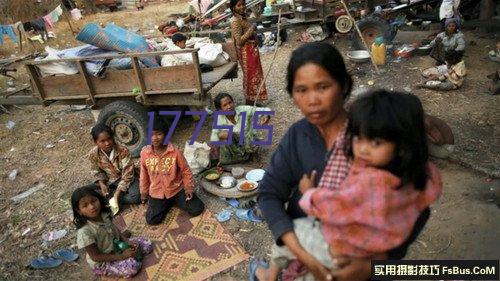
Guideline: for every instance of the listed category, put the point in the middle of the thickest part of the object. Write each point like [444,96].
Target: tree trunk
[487,9]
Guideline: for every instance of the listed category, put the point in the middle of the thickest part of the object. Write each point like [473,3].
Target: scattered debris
[20,197]
[10,125]
[13,174]
[50,145]
[54,235]
[407,89]
[26,231]
[370,82]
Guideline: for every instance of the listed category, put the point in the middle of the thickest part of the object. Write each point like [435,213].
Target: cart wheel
[129,121]
[371,28]
[343,24]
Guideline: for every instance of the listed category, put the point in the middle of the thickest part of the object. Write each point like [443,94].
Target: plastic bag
[56,68]
[211,54]
[197,156]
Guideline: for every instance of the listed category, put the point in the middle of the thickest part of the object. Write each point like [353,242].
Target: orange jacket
[163,176]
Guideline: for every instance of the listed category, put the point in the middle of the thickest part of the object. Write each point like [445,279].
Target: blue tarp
[115,38]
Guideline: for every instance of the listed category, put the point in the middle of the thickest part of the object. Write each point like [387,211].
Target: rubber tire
[136,114]
[378,23]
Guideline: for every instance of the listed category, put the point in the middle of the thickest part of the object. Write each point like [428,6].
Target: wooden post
[360,36]
[139,78]
[65,15]
[36,81]
[197,70]
[22,33]
[86,80]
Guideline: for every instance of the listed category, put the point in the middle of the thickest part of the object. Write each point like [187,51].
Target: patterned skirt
[253,76]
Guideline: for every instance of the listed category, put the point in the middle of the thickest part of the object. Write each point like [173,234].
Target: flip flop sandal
[225,215]
[45,263]
[248,215]
[246,204]
[65,255]
[232,202]
[253,265]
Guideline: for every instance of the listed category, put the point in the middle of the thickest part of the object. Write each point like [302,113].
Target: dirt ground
[464,224]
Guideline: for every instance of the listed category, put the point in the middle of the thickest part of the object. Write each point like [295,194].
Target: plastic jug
[378,51]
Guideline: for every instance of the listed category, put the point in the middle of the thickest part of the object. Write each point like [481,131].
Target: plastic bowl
[237,172]
[227,182]
[359,56]
[211,175]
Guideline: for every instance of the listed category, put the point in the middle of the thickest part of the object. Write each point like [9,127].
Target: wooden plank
[120,56]
[73,97]
[115,81]
[139,78]
[86,80]
[36,81]
[21,100]
[177,91]
[197,71]
[130,94]
[177,99]
[60,86]
[170,78]
[218,73]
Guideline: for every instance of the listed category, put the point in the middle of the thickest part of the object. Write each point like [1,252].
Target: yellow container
[378,53]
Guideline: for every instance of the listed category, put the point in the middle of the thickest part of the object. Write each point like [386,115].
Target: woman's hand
[104,189]
[313,265]
[317,269]
[189,195]
[307,182]
[264,119]
[144,198]
[223,135]
[354,268]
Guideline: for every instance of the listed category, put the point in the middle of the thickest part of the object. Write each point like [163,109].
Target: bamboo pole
[360,36]
[65,11]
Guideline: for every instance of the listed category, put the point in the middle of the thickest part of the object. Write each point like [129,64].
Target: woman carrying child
[318,82]
[389,184]
[113,168]
[102,240]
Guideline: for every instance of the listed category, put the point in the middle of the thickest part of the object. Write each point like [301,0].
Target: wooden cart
[124,109]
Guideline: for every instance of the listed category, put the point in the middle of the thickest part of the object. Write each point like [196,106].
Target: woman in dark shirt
[319,84]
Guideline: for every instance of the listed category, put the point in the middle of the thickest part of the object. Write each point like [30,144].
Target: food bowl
[247,186]
[359,56]
[211,175]
[423,50]
[227,182]
[237,172]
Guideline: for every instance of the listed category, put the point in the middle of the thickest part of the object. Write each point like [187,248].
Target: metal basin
[359,56]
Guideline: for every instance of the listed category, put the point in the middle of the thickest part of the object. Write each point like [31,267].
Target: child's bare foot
[261,273]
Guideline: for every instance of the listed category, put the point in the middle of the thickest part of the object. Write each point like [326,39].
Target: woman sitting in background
[452,39]
[234,152]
